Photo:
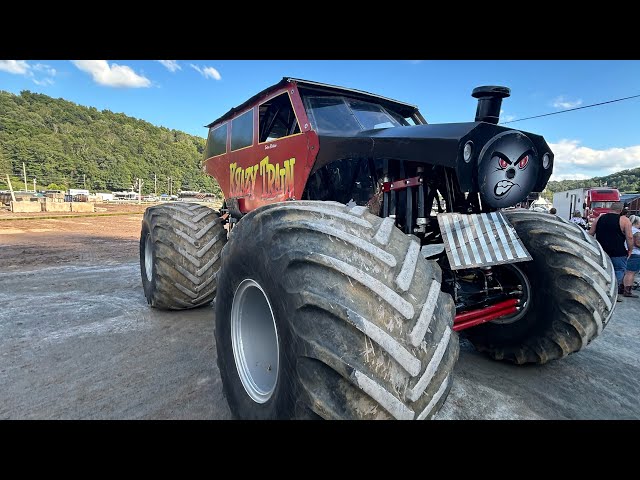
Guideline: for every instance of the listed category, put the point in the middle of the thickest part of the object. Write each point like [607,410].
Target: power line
[570,109]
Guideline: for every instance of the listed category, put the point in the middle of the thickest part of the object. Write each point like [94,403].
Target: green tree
[5,164]
[63,143]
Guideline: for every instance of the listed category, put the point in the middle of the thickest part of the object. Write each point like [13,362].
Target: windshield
[601,204]
[335,114]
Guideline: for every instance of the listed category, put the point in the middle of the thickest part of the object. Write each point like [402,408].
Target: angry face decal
[508,169]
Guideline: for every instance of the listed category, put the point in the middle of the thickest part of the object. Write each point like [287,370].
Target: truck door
[587,204]
[282,151]
[572,207]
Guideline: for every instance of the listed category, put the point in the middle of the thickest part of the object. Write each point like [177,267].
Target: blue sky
[187,94]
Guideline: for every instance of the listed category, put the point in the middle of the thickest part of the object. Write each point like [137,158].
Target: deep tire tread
[584,296]
[351,317]
[187,242]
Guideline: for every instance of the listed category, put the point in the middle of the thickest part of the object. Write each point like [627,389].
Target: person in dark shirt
[611,230]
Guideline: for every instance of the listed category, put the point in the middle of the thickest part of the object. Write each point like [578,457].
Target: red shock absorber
[482,315]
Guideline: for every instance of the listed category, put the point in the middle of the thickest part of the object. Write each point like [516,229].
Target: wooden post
[34,184]
[13,197]
[24,173]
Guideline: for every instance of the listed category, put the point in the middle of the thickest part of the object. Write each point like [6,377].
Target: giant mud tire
[327,311]
[573,293]
[180,245]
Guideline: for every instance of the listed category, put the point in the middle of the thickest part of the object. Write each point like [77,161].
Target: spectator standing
[578,220]
[611,230]
[633,262]
[625,211]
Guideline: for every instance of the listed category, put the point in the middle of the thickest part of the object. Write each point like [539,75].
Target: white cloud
[22,67]
[570,176]
[113,75]
[44,82]
[207,71]
[562,102]
[506,118]
[573,161]
[17,67]
[171,65]
[46,69]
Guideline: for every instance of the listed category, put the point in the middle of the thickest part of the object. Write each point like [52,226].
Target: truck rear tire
[180,246]
[327,311]
[572,297]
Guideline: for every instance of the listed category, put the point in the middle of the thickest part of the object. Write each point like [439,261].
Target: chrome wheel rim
[525,299]
[148,257]
[254,339]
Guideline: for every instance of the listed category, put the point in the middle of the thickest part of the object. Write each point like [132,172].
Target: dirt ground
[101,208]
[69,239]
[78,341]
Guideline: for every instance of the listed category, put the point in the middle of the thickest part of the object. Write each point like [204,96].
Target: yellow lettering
[276,179]
[263,168]
[287,184]
[239,179]
[271,178]
[253,173]
[232,186]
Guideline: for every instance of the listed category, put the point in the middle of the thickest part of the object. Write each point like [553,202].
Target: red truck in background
[591,202]
[598,201]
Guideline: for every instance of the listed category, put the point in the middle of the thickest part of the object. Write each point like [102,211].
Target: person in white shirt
[577,219]
[633,262]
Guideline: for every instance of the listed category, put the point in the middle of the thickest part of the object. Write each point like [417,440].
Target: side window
[401,120]
[331,114]
[217,143]
[242,131]
[277,119]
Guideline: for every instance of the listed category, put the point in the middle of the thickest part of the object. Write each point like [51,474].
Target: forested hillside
[68,145]
[627,181]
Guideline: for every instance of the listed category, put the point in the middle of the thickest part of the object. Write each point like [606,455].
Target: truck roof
[604,190]
[404,109]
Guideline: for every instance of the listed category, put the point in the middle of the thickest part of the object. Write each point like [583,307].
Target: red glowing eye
[503,163]
[523,163]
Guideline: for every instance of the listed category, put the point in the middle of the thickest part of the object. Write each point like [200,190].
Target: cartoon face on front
[508,170]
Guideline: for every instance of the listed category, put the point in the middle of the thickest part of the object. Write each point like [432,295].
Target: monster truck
[356,241]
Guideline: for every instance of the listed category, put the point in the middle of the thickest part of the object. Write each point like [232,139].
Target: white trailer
[569,201]
[105,197]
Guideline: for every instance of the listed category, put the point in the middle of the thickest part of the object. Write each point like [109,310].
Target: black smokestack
[489,102]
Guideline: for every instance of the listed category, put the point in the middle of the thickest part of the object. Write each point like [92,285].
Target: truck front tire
[327,311]
[573,293]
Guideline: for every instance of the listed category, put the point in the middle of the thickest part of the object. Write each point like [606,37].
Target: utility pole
[24,173]
[13,196]
[155,184]
[84,180]
[34,184]
[140,190]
